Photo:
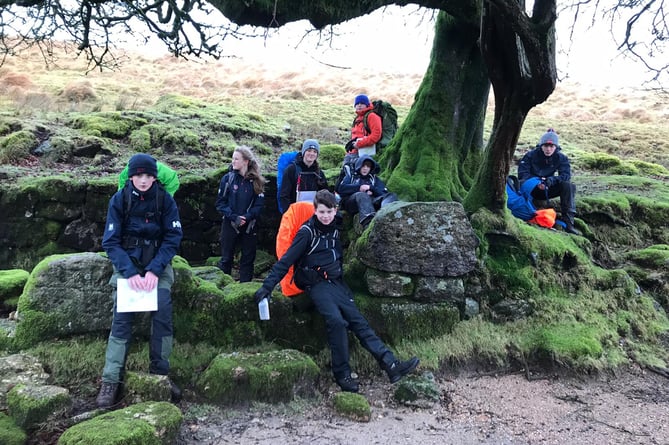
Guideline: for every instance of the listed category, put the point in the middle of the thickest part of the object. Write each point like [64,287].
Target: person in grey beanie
[303,175]
[550,168]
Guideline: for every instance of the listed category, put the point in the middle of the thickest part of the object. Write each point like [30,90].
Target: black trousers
[567,193]
[230,239]
[334,301]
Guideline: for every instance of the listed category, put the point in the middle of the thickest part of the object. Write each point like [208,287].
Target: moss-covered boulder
[274,376]
[17,369]
[149,423]
[65,295]
[29,405]
[10,433]
[419,391]
[142,387]
[352,406]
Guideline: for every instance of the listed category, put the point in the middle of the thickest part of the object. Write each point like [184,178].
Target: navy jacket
[536,164]
[311,179]
[351,183]
[237,198]
[142,224]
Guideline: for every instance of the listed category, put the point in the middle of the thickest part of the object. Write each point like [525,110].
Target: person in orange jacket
[364,137]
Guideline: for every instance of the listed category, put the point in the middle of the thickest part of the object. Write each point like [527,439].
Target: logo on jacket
[110,227]
[176,224]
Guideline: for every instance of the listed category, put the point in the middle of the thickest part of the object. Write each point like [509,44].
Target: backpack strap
[365,122]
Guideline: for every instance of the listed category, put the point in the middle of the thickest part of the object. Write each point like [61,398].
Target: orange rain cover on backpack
[544,218]
[297,214]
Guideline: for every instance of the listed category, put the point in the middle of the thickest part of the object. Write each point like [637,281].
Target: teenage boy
[317,253]
[141,237]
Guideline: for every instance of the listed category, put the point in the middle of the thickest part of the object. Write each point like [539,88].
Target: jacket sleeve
[256,209]
[375,131]
[287,192]
[112,239]
[379,187]
[223,200]
[172,234]
[525,167]
[296,250]
[564,172]
[348,186]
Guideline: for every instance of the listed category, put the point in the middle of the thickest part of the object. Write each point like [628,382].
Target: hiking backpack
[127,200]
[520,206]
[284,161]
[388,116]
[291,221]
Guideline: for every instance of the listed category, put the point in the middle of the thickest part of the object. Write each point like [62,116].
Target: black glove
[350,145]
[262,293]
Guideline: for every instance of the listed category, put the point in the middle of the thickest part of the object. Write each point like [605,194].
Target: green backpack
[388,116]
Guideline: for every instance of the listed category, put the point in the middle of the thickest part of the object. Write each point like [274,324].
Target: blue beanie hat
[550,137]
[361,99]
[311,144]
[142,163]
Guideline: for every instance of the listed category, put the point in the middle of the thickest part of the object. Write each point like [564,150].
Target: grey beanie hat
[311,144]
[550,137]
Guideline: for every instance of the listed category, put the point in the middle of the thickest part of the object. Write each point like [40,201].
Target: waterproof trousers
[334,301]
[247,240]
[160,344]
[567,193]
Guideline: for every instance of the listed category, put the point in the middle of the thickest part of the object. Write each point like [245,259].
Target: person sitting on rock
[317,253]
[539,166]
[362,191]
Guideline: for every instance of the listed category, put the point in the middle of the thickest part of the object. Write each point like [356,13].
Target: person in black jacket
[240,200]
[317,253]
[141,237]
[362,191]
[303,175]
[541,165]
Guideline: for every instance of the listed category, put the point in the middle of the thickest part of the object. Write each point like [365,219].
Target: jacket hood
[375,166]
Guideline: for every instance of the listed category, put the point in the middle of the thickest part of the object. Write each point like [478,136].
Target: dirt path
[631,408]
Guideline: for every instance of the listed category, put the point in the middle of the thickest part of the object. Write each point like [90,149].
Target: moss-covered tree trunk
[438,148]
[519,52]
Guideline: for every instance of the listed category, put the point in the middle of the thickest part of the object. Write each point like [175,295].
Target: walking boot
[107,395]
[571,229]
[397,369]
[175,392]
[348,383]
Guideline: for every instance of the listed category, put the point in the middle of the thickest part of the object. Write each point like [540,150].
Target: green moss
[271,376]
[112,125]
[352,406]
[653,257]
[12,282]
[17,146]
[10,433]
[30,405]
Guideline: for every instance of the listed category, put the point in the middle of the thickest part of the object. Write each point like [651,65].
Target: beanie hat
[311,144]
[142,163]
[361,99]
[550,137]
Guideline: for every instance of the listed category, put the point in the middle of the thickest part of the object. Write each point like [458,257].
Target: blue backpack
[284,161]
[520,206]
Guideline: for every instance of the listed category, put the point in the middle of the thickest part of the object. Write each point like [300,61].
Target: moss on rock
[149,423]
[272,376]
[10,433]
[352,406]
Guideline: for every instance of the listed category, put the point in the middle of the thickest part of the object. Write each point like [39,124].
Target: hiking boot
[107,395]
[399,369]
[364,222]
[569,228]
[175,392]
[348,383]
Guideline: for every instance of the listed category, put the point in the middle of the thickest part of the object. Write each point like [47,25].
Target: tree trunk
[438,148]
[520,58]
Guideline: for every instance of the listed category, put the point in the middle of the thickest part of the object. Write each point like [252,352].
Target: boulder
[18,369]
[30,405]
[420,238]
